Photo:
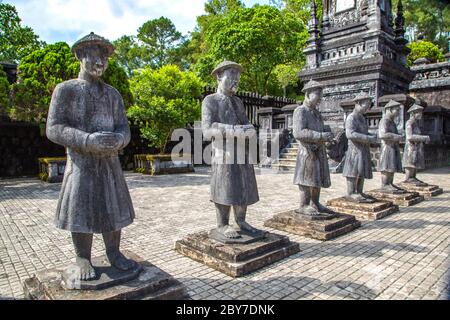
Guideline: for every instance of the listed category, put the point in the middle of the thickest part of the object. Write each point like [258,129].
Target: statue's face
[314,96]
[363,105]
[393,111]
[94,61]
[229,80]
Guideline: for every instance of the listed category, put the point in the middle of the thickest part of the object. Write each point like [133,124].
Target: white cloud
[68,20]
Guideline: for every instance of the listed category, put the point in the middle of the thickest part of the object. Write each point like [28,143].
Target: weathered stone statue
[357,164]
[88,117]
[232,184]
[413,155]
[311,172]
[390,160]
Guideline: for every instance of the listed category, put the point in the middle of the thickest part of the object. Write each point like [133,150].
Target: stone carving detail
[345,17]
[347,91]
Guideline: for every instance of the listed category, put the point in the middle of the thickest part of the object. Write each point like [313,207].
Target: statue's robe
[312,164]
[357,158]
[413,154]
[390,160]
[231,183]
[94,196]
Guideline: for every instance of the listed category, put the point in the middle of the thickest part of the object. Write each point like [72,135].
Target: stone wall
[21,144]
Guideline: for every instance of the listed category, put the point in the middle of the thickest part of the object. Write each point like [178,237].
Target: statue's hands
[427,139]
[104,141]
[373,139]
[327,136]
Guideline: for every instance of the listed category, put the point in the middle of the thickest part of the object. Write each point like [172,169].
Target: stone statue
[311,171]
[88,117]
[357,165]
[413,155]
[232,184]
[390,160]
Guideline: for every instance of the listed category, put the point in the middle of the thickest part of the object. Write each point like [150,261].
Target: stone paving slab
[403,256]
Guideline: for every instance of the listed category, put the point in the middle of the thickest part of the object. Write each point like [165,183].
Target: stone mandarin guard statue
[413,155]
[390,159]
[88,117]
[232,184]
[357,165]
[311,172]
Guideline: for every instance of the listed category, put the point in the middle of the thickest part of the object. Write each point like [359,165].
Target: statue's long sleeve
[210,127]
[352,133]
[300,130]
[122,126]
[385,135]
[58,128]
[410,136]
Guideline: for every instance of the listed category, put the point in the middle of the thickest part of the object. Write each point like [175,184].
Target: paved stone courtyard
[403,256]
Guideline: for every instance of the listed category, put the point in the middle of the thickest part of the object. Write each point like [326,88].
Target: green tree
[165,99]
[424,49]
[4,92]
[16,41]
[260,38]
[42,70]
[427,20]
[128,54]
[38,75]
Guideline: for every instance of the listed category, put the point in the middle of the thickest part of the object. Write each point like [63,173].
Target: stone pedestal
[292,222]
[426,191]
[363,211]
[401,199]
[147,282]
[236,259]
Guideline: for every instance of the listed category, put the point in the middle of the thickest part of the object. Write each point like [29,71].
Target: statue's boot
[323,210]
[368,199]
[416,182]
[389,188]
[399,190]
[307,210]
[355,197]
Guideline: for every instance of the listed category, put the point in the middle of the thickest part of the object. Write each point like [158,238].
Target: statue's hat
[362,96]
[392,104]
[226,65]
[415,108]
[93,39]
[311,85]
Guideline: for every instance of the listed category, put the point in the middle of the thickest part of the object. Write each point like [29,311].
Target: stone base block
[427,192]
[236,260]
[150,284]
[363,211]
[401,199]
[292,222]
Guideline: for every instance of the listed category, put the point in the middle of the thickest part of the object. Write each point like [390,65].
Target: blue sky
[68,20]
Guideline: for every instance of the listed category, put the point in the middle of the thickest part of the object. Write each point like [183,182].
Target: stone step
[288,156]
[287,161]
[284,167]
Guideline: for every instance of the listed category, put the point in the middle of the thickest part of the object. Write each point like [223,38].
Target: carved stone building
[359,48]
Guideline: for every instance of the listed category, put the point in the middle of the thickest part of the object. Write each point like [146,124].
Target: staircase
[288,157]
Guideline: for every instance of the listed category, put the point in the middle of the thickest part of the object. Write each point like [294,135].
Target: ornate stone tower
[358,48]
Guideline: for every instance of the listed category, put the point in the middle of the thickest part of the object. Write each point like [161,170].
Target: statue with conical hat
[233,184]
[311,171]
[88,118]
[390,159]
[413,155]
[357,164]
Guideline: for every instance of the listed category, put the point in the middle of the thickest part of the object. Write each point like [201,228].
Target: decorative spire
[313,22]
[399,21]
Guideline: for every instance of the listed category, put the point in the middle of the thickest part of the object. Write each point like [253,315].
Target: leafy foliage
[38,75]
[259,38]
[4,92]
[43,69]
[427,20]
[165,99]
[16,41]
[424,49]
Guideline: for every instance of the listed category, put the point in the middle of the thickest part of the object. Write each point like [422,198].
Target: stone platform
[294,223]
[400,199]
[363,211]
[236,260]
[425,191]
[147,282]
